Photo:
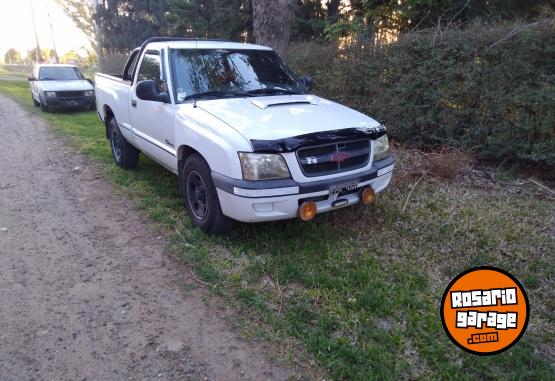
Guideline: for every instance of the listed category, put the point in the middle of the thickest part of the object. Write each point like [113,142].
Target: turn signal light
[368,196]
[307,210]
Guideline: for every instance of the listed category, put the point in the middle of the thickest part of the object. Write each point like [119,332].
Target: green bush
[486,89]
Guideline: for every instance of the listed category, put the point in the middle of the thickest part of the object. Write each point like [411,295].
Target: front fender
[216,141]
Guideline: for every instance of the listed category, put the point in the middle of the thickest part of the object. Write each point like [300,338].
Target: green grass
[357,290]
[18,72]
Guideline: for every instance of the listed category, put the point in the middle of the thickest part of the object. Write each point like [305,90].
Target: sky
[16,27]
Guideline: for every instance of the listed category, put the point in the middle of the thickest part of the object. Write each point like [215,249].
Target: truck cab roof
[181,43]
[205,44]
[195,43]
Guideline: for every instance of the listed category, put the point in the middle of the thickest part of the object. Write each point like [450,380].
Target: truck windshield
[221,73]
[60,74]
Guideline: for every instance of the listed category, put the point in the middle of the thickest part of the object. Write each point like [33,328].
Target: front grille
[69,94]
[334,158]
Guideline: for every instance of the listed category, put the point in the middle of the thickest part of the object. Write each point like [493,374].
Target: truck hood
[279,117]
[64,85]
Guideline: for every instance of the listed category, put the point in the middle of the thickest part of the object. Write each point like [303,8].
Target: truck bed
[115,77]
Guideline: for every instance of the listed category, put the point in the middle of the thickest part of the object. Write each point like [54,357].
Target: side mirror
[307,82]
[31,79]
[151,91]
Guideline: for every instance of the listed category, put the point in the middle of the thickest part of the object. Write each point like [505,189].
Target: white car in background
[61,86]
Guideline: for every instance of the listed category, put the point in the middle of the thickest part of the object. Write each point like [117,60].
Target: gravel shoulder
[87,290]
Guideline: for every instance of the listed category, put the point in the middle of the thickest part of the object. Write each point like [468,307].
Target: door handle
[133,103]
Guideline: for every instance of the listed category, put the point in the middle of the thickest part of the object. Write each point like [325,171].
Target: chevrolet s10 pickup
[241,131]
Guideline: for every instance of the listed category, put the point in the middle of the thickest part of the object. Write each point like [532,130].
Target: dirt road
[86,290]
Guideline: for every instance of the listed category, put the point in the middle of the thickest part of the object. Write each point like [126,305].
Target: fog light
[308,210]
[368,196]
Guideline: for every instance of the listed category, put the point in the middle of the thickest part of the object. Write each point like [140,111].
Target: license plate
[340,188]
[72,103]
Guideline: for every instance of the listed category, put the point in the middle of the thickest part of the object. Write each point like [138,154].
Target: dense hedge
[490,90]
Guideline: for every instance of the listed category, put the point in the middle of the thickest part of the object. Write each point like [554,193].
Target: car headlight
[263,166]
[381,148]
[50,93]
[89,93]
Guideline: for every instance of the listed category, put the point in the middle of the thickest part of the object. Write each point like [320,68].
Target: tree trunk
[272,23]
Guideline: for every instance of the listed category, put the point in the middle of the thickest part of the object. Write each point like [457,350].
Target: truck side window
[150,67]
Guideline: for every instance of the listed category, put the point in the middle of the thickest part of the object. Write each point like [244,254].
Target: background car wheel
[43,107]
[35,103]
[125,155]
[201,198]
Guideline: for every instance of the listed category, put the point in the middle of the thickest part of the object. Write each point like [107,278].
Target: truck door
[152,121]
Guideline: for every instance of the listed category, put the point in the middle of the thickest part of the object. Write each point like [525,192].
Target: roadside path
[86,290]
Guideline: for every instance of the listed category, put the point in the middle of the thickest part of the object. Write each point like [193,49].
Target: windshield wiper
[274,90]
[217,93]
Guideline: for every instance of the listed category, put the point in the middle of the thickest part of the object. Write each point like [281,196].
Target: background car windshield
[60,74]
[204,70]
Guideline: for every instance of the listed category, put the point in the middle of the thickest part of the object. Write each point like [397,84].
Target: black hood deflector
[316,139]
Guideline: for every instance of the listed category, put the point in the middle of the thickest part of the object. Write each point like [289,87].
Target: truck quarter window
[150,67]
[130,66]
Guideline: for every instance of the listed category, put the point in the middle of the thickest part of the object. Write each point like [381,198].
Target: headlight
[263,166]
[381,148]
[89,93]
[50,93]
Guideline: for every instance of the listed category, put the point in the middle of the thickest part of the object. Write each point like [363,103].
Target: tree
[12,56]
[310,20]
[44,55]
[71,57]
[227,19]
[407,14]
[81,12]
[272,23]
[125,24]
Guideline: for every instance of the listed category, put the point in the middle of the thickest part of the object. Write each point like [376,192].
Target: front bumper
[80,102]
[256,201]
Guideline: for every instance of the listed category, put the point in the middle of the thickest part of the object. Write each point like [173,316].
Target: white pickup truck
[241,132]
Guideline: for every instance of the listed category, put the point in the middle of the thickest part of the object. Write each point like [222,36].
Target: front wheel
[201,198]
[125,155]
[35,103]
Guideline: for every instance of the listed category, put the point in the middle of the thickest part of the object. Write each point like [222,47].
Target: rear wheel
[201,198]
[125,155]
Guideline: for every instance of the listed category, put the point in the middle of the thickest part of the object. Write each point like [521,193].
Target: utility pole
[38,51]
[52,35]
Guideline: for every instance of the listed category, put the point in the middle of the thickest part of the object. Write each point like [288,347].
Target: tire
[35,103]
[125,155]
[201,198]
[43,108]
